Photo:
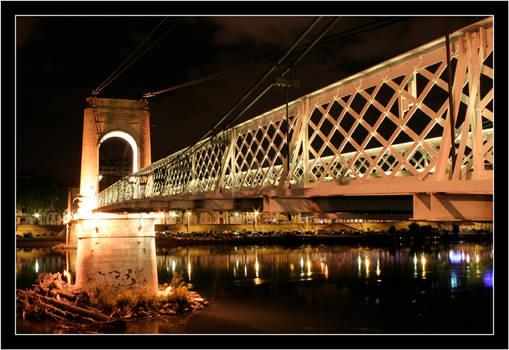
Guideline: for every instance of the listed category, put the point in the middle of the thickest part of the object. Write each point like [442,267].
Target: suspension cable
[116,73]
[313,43]
[292,65]
[350,32]
[345,34]
[267,74]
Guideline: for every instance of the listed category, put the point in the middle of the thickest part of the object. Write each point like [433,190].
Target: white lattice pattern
[390,121]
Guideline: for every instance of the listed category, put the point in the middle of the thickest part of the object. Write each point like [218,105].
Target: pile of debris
[101,309]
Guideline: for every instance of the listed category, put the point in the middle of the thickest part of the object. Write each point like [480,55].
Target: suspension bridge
[397,135]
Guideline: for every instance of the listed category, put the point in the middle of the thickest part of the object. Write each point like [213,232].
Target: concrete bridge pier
[116,251]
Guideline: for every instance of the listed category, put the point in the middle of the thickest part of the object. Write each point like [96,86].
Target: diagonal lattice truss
[389,121]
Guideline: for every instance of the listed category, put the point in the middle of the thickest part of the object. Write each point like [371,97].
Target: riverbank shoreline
[38,242]
[286,240]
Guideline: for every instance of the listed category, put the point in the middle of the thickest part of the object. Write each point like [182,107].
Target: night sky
[60,60]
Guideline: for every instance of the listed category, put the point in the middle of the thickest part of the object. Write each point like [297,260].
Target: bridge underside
[429,201]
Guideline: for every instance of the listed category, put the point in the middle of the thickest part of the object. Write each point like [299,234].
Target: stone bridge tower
[105,118]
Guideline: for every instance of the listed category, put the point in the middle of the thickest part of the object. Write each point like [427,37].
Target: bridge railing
[391,120]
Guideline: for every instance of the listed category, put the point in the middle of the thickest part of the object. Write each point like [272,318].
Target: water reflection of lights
[488,278]
[189,270]
[67,275]
[456,256]
[305,263]
[415,265]
[36,265]
[477,258]
[454,280]
[423,263]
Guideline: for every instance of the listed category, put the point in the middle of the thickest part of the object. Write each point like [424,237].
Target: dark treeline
[40,192]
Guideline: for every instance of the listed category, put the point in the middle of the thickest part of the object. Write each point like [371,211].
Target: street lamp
[36,215]
[188,213]
[255,216]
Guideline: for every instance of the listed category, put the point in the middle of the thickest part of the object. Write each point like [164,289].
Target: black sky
[61,59]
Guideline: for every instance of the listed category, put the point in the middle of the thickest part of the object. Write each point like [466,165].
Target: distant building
[43,216]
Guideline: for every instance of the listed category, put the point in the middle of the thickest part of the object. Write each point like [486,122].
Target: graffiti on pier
[129,278]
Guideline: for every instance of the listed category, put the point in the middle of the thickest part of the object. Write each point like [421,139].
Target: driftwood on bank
[83,311]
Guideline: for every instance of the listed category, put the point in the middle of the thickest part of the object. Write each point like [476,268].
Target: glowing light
[488,278]
[455,256]
[415,265]
[468,259]
[189,269]
[326,271]
[366,262]
[67,218]
[301,263]
[36,265]
[245,270]
[36,215]
[236,214]
[257,268]
[309,267]
[173,265]
[67,276]
[378,267]
[477,258]
[86,205]
[423,263]
[129,139]
[454,281]
[256,213]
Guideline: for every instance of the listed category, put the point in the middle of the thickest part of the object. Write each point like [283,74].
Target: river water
[313,289]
